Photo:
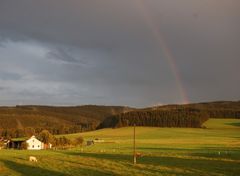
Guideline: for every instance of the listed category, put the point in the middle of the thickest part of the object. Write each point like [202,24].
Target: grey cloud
[2,45]
[108,51]
[3,88]
[61,55]
[9,76]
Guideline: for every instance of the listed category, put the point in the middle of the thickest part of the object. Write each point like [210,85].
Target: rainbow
[166,50]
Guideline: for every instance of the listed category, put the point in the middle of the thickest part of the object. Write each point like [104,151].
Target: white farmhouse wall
[34,144]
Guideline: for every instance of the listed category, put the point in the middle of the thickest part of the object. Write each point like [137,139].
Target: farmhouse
[31,143]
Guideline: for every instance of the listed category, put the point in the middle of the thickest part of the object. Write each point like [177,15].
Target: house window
[33,140]
[38,146]
[32,146]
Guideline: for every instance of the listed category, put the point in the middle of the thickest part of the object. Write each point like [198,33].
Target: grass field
[167,151]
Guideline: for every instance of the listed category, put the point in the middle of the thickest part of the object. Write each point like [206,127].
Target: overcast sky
[119,52]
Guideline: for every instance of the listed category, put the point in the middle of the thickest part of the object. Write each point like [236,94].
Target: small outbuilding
[91,142]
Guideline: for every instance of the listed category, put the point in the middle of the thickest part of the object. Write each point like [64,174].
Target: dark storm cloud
[9,76]
[83,23]
[61,55]
[107,52]
[3,88]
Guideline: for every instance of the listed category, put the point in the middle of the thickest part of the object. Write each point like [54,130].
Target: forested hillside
[58,120]
[220,109]
[191,115]
[26,120]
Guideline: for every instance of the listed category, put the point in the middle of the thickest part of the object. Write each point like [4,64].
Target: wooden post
[134,145]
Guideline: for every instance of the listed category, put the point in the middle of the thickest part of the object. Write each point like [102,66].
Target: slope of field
[167,151]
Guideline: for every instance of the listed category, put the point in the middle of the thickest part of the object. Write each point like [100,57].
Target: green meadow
[213,151]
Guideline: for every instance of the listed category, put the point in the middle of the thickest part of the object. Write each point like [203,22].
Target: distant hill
[190,115]
[58,120]
[20,120]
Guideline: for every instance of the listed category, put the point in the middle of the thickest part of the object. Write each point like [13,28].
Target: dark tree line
[59,142]
[177,117]
[55,130]
[234,114]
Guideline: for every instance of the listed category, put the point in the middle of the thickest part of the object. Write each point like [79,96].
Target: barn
[31,143]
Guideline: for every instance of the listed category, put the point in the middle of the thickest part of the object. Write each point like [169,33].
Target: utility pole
[134,145]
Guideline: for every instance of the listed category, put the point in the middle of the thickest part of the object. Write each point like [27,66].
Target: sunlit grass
[167,151]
